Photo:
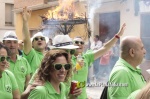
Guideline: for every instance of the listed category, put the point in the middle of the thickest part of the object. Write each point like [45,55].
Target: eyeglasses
[41,38]
[72,51]
[3,58]
[77,42]
[59,66]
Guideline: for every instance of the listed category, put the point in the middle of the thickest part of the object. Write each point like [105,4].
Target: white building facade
[6,17]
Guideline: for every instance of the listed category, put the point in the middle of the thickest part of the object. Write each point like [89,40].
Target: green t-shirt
[33,77]
[48,92]
[82,74]
[20,69]
[7,85]
[134,94]
[123,73]
[34,58]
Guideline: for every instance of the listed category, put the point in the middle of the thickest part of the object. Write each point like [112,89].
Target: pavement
[95,88]
[94,92]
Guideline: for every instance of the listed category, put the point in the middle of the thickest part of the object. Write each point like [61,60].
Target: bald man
[126,77]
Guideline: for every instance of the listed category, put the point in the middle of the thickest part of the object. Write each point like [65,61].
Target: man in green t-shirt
[19,66]
[81,74]
[126,77]
[34,48]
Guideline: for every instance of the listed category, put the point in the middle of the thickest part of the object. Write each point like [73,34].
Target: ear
[131,52]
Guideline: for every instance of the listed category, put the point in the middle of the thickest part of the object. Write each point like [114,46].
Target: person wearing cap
[61,42]
[19,66]
[34,48]
[89,58]
[8,85]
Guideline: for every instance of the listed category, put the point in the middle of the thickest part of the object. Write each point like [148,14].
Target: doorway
[109,25]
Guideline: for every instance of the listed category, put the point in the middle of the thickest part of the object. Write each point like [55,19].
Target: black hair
[96,36]
[6,48]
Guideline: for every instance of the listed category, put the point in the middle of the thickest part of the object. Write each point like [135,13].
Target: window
[51,0]
[9,15]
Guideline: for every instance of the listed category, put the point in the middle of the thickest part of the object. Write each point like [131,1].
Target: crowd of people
[28,70]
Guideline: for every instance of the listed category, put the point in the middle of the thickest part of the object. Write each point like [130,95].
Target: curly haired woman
[55,69]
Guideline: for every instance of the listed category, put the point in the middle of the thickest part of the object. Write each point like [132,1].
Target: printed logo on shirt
[8,88]
[22,69]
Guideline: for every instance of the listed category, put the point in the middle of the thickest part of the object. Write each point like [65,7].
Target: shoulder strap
[7,73]
[104,93]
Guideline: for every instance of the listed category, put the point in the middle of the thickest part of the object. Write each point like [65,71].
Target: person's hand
[78,66]
[120,33]
[7,65]
[36,83]
[76,93]
[26,14]
[29,88]
[81,63]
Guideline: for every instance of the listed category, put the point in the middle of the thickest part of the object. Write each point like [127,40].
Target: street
[95,88]
[94,92]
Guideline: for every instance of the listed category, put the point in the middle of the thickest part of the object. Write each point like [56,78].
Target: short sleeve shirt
[20,69]
[105,59]
[81,75]
[124,74]
[96,45]
[33,77]
[34,58]
[48,92]
[7,85]
[134,94]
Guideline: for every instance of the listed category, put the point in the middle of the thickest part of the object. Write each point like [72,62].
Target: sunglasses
[41,38]
[72,51]
[77,42]
[3,58]
[59,66]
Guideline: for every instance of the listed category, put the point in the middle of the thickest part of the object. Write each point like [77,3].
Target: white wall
[132,21]
[7,1]
[4,28]
[2,16]
[126,15]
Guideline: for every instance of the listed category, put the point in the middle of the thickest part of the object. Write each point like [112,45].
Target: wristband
[116,36]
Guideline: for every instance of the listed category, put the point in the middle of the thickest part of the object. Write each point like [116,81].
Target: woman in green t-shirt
[55,69]
[9,88]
